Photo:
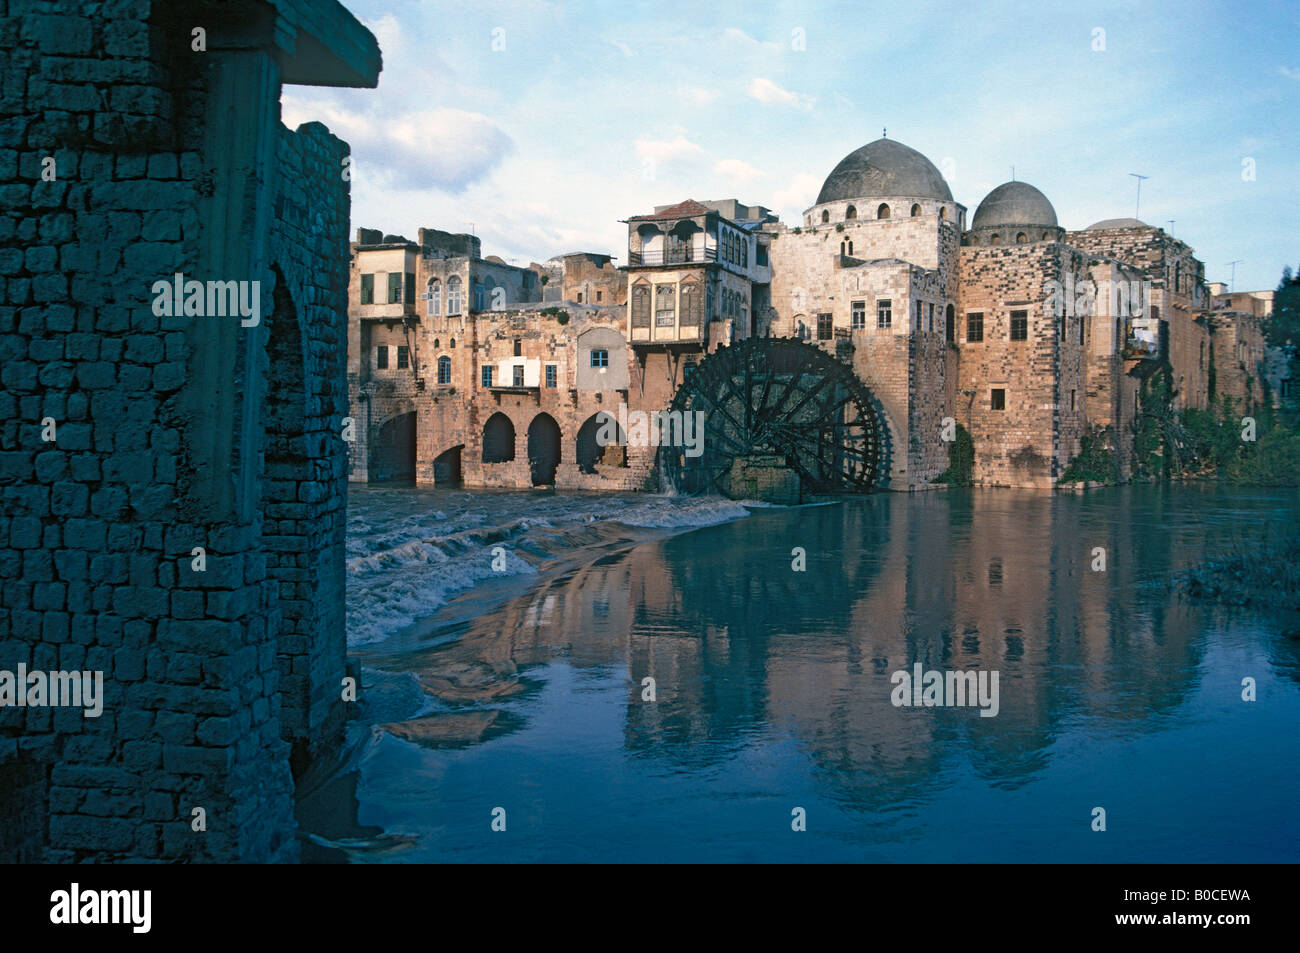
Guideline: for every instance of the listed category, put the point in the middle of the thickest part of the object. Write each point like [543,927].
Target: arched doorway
[498,439]
[392,451]
[543,449]
[446,467]
[601,443]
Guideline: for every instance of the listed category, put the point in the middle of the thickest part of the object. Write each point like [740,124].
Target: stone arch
[916,210]
[943,214]
[882,211]
[995,239]
[591,452]
[826,216]
[498,439]
[543,449]
[447,467]
[1021,238]
[851,213]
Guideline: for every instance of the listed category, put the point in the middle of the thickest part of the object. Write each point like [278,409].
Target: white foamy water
[410,551]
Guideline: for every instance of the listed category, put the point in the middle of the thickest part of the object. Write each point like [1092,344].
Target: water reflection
[745,651]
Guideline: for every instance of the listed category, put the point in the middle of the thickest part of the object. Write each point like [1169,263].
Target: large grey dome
[1116,223]
[1014,203]
[884,168]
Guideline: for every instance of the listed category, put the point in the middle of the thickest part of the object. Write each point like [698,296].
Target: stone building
[172,467]
[1028,335]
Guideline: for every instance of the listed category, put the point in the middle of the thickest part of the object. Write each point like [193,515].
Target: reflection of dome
[1116,223]
[1014,203]
[884,168]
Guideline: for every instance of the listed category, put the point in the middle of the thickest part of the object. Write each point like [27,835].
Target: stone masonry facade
[172,478]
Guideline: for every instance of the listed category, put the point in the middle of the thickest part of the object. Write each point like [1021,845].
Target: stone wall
[134,436]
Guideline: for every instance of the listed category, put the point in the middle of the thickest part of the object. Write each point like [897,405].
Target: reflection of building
[1027,334]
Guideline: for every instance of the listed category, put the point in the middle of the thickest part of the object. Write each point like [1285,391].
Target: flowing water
[505,638]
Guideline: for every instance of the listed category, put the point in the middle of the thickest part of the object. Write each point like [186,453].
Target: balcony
[672,256]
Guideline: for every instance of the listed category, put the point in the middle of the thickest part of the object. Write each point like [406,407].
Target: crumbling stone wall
[140,536]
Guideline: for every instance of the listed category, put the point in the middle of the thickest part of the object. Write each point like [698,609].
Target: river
[505,639]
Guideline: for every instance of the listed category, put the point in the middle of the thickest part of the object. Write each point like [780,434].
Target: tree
[1283,327]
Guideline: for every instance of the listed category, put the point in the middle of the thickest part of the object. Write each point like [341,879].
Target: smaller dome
[1014,203]
[1116,223]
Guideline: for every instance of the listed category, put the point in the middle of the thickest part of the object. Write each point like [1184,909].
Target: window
[641,306]
[929,316]
[744,253]
[1155,313]
[519,348]
[444,370]
[919,306]
[518,370]
[1202,355]
[850,246]
[998,399]
[367,289]
[916,211]
[882,211]
[996,239]
[599,295]
[452,344]
[453,295]
[826,216]
[394,287]
[1074,400]
[859,315]
[884,314]
[1021,238]
[851,213]
[487,375]
[943,214]
[433,300]
[1019,325]
[403,356]
[381,357]
[665,306]
[408,288]
[552,375]
[599,358]
[824,332]
[975,327]
[692,304]
[950,326]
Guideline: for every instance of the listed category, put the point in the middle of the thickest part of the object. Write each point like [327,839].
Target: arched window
[453,344]
[1045,236]
[433,304]
[851,213]
[844,248]
[943,214]
[826,216]
[453,295]
[850,246]
[444,370]
[916,211]
[974,239]
[640,305]
[996,239]
[1021,238]
[883,210]
[744,253]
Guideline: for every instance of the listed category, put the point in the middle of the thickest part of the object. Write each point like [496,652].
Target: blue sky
[543,123]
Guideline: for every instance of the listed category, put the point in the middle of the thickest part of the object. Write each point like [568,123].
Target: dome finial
[884,132]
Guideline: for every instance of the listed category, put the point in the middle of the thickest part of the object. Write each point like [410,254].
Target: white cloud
[623,47]
[677,149]
[744,39]
[735,169]
[442,148]
[698,94]
[770,94]
[801,192]
[1289,72]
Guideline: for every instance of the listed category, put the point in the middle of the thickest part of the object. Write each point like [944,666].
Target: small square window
[600,358]
[999,399]
[824,332]
[884,314]
[599,295]
[859,315]
[975,327]
[394,287]
[403,356]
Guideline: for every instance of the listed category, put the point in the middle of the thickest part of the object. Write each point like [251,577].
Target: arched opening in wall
[916,211]
[850,246]
[601,442]
[826,216]
[995,239]
[392,450]
[446,467]
[950,325]
[1021,238]
[543,449]
[943,214]
[498,439]
[974,239]
[1044,236]
[851,213]
[883,210]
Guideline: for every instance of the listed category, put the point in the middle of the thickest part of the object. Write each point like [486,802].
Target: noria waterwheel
[778,398]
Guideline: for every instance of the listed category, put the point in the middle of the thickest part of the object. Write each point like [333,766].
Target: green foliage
[1096,461]
[1283,326]
[961,460]
[1273,460]
[559,314]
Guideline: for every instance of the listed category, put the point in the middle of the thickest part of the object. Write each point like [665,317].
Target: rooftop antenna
[1170,223]
[884,132]
[471,228]
[1232,281]
[1137,205]
[1013,173]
